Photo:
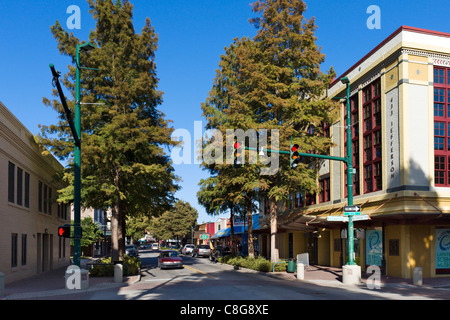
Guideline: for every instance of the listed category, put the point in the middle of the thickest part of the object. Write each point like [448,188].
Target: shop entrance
[311,247]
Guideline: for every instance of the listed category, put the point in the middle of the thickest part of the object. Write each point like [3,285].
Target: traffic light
[237,162]
[295,157]
[64,231]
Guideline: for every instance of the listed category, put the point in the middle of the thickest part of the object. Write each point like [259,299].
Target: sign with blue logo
[374,247]
[442,248]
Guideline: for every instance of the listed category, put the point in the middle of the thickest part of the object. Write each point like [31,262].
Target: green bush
[259,263]
[280,266]
[104,269]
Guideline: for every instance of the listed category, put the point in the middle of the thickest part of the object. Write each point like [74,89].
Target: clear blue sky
[192,36]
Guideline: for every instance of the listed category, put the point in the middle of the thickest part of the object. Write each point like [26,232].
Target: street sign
[337,218]
[361,217]
[204,236]
[352,210]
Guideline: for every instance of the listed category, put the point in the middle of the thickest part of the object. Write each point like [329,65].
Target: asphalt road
[201,279]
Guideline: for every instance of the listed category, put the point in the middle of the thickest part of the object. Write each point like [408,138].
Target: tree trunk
[251,249]
[274,254]
[233,244]
[117,239]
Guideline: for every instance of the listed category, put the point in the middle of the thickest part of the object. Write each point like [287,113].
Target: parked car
[169,259]
[154,246]
[201,250]
[187,249]
[219,252]
[131,250]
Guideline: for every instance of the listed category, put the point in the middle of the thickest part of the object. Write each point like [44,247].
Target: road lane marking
[198,271]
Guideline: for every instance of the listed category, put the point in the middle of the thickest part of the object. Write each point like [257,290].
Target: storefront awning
[237,230]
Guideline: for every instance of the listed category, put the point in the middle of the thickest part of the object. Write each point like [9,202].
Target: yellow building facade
[400,123]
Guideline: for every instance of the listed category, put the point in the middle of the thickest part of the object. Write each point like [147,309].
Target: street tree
[273,82]
[123,161]
[176,223]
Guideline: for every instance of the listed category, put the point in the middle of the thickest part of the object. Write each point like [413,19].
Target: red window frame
[441,129]
[372,137]
[324,194]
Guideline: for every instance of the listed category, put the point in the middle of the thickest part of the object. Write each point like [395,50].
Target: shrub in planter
[104,269]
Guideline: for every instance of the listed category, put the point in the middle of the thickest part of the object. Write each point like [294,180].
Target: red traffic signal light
[64,231]
[237,162]
[295,157]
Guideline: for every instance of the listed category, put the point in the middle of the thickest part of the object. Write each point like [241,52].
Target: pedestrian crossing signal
[64,231]
[295,157]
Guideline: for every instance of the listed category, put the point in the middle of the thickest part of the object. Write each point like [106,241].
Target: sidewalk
[51,284]
[434,288]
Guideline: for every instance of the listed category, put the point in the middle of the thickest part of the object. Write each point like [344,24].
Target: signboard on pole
[361,217]
[337,218]
[352,210]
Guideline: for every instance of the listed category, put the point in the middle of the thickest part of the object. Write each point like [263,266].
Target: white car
[155,246]
[187,249]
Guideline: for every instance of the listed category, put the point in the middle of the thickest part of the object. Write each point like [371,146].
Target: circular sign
[204,236]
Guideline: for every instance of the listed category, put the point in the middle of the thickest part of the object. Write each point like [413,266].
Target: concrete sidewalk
[434,288]
[52,284]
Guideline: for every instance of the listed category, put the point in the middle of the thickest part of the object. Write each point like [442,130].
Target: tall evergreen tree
[124,166]
[274,82]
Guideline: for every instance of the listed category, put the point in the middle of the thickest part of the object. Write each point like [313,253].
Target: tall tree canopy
[273,82]
[123,162]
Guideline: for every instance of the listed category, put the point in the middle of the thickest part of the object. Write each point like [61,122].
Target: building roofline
[395,33]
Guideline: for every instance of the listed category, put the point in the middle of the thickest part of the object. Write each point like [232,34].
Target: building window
[24,249]
[441,126]
[44,198]
[19,186]
[372,137]
[394,247]
[324,184]
[11,169]
[40,196]
[14,250]
[27,189]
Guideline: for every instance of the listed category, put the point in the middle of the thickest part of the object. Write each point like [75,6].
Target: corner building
[29,212]
[400,124]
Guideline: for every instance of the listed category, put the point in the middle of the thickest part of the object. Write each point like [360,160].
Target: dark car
[131,251]
[201,250]
[169,259]
[219,252]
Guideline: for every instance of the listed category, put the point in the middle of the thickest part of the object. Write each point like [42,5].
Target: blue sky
[192,36]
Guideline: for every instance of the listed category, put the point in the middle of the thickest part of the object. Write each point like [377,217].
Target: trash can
[291,266]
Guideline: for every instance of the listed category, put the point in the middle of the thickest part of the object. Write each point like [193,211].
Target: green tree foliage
[272,82]
[124,166]
[175,223]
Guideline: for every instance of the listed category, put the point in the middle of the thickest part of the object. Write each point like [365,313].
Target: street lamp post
[77,158]
[349,161]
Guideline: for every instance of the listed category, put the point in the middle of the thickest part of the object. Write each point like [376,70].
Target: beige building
[400,137]
[29,213]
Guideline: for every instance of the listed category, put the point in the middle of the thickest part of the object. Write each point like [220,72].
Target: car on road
[131,250]
[169,259]
[187,249]
[201,250]
[219,252]
[154,246]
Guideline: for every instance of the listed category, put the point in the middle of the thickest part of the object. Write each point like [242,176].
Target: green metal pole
[350,236]
[77,171]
